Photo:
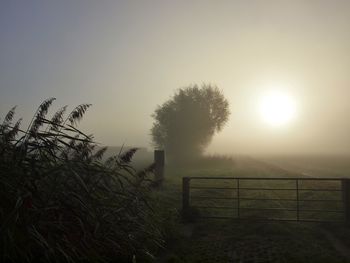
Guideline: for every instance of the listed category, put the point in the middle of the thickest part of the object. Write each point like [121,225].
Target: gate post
[346,198]
[159,161]
[185,197]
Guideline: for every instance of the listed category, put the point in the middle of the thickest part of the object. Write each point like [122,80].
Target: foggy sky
[126,57]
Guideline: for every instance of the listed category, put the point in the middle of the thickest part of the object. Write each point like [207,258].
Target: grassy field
[313,165]
[207,240]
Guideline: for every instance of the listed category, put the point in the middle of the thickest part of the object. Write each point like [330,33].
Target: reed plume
[58,196]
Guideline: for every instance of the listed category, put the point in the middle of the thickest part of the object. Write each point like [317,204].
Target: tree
[185,124]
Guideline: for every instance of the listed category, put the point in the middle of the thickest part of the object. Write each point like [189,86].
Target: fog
[127,57]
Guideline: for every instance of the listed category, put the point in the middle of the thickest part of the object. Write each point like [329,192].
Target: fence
[291,199]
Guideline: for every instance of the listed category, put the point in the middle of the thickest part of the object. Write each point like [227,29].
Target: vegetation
[63,200]
[185,124]
[59,201]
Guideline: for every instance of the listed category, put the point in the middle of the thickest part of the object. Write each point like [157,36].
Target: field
[313,165]
[229,240]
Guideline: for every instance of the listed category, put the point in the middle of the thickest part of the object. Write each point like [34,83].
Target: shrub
[59,201]
[185,124]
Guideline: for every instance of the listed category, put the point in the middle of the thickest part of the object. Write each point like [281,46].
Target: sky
[127,57]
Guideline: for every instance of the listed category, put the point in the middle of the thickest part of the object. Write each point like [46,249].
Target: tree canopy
[185,124]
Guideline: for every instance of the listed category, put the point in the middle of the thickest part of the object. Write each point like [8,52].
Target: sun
[277,108]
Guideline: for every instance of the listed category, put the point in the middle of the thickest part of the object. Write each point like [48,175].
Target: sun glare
[277,108]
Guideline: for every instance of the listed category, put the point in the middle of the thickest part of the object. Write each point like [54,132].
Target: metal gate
[287,199]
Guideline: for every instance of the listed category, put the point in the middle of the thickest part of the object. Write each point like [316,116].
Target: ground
[244,241]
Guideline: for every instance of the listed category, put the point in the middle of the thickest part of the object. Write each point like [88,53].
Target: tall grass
[60,201]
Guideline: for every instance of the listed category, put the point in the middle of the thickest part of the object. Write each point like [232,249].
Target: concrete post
[346,199]
[185,197]
[159,160]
